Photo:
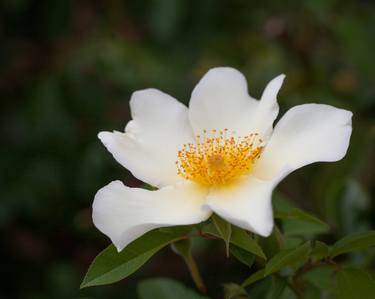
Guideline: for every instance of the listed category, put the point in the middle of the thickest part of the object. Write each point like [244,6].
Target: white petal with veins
[267,109]
[246,204]
[124,213]
[305,134]
[221,100]
[220,173]
[149,146]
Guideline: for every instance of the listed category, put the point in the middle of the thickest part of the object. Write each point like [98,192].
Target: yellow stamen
[218,159]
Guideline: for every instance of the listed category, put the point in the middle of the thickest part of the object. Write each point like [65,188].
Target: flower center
[219,158]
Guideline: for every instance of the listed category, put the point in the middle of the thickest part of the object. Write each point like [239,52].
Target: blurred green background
[67,70]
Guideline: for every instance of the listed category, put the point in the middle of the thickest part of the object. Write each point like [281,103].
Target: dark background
[67,70]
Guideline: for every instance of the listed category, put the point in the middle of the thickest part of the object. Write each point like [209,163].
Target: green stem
[194,272]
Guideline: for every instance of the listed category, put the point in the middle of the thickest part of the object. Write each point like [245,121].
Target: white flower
[220,155]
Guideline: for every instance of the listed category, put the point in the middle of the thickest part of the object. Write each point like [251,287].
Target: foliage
[164,288]
[111,266]
[67,71]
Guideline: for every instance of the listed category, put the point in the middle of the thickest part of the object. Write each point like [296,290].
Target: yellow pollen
[218,159]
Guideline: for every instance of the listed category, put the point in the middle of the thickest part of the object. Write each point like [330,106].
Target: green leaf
[177,230]
[296,213]
[292,241]
[242,239]
[270,288]
[234,291]
[272,244]
[320,251]
[165,288]
[281,203]
[111,266]
[239,238]
[321,277]
[253,278]
[355,283]
[278,287]
[353,242]
[295,221]
[224,228]
[210,229]
[298,222]
[242,255]
[287,257]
